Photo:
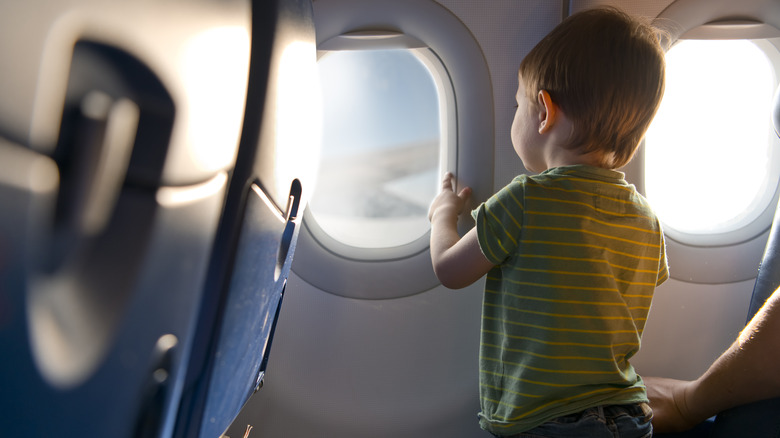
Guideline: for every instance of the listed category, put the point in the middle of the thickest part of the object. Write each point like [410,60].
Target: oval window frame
[461,73]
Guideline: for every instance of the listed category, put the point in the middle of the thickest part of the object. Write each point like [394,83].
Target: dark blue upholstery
[135,301]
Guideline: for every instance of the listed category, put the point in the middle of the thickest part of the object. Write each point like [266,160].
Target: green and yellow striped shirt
[578,254]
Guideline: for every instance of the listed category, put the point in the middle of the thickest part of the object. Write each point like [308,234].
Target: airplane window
[391,125]
[380,147]
[710,165]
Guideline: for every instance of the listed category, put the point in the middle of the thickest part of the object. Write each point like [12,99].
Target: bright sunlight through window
[708,167]
[380,147]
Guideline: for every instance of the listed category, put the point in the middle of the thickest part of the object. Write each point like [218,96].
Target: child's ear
[550,114]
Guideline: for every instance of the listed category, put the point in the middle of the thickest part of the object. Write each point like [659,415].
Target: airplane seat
[153,173]
[769,271]
[264,206]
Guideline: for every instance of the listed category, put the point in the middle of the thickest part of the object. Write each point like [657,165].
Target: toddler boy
[574,253]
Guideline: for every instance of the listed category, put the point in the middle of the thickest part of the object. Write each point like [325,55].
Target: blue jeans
[624,421]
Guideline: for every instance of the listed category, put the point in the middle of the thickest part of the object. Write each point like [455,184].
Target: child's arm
[457,262]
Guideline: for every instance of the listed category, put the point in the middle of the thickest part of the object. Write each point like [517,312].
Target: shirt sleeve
[499,222]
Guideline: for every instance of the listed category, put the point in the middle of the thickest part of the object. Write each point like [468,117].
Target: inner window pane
[708,149]
[380,147]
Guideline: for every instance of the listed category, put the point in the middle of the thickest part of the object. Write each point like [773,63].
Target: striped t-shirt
[578,254]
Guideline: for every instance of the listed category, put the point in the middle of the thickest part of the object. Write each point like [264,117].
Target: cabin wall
[690,325]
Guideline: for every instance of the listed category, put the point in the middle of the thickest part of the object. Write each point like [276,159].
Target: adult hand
[668,400]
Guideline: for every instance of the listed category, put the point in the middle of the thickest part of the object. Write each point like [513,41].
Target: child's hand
[447,202]
[457,262]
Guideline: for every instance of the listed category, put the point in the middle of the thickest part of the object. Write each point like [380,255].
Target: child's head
[605,71]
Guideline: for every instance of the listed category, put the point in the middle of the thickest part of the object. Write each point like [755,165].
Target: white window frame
[460,71]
